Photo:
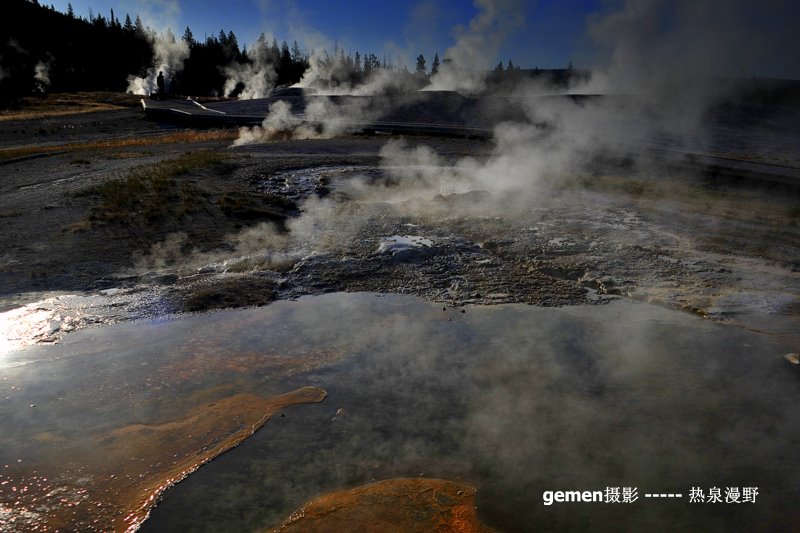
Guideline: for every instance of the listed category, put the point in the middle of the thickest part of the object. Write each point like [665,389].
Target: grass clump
[237,292]
[152,193]
[266,207]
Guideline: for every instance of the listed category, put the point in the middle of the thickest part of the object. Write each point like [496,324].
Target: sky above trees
[744,37]
[548,37]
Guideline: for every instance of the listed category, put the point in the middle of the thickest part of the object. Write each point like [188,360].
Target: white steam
[659,73]
[280,121]
[324,70]
[258,77]
[41,74]
[170,55]
[672,57]
[323,118]
[467,62]
[671,46]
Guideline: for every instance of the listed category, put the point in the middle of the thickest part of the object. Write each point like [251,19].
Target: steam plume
[660,98]
[41,73]
[258,77]
[169,57]
[466,62]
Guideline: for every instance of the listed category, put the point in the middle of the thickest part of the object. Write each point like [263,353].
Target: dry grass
[62,104]
[150,193]
[725,204]
[40,113]
[178,137]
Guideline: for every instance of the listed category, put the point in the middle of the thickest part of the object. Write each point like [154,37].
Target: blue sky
[715,37]
[551,32]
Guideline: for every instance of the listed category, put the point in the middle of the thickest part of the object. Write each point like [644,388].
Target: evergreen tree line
[45,50]
[42,48]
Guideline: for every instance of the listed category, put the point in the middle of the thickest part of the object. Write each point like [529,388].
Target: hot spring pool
[514,400]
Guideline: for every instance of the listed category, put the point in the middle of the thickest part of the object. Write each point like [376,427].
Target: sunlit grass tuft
[186,136]
[151,193]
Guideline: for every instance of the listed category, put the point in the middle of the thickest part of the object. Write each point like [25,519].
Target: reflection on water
[514,400]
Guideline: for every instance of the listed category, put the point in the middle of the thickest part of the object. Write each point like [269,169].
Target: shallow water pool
[515,400]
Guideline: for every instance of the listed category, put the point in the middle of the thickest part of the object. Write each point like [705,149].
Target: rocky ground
[106,216]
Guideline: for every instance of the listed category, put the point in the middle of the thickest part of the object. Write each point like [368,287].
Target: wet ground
[717,251]
[224,226]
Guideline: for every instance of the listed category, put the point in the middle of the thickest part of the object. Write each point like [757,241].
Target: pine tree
[128,24]
[188,36]
[274,51]
[297,54]
[499,67]
[510,66]
[435,66]
[367,65]
[285,59]
[70,11]
[420,64]
[233,45]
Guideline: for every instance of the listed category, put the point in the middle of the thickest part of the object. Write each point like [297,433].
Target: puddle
[403,245]
[560,241]
[513,400]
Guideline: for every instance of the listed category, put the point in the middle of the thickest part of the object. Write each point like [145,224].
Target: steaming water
[517,400]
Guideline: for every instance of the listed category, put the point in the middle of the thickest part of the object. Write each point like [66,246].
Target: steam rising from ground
[169,57]
[466,62]
[663,109]
[257,77]
[323,118]
[662,57]
[325,227]
[673,54]
[670,46]
[41,73]
[322,68]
